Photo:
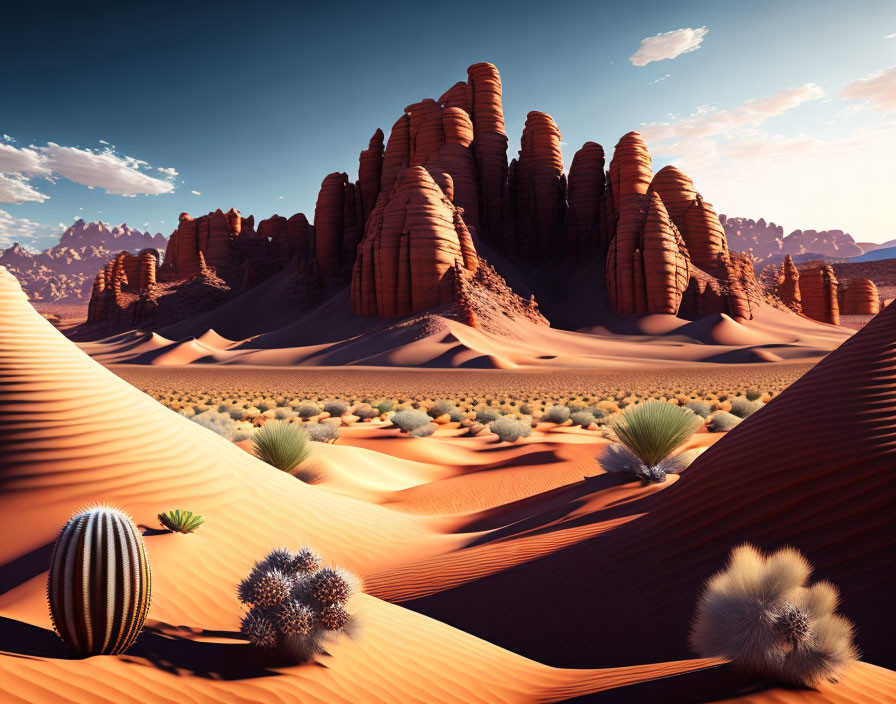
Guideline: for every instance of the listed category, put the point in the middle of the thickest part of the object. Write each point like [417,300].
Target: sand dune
[73,433]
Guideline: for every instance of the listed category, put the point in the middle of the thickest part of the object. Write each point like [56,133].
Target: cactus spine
[99,584]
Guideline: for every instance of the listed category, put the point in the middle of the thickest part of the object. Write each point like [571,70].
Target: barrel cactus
[99,583]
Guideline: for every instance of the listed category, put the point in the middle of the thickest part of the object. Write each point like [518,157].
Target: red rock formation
[218,249]
[460,95]
[860,298]
[370,167]
[489,149]
[425,130]
[275,229]
[329,223]
[406,260]
[96,297]
[395,159]
[818,290]
[695,219]
[788,288]
[234,221]
[455,158]
[299,235]
[182,253]
[648,266]
[585,197]
[539,190]
[630,170]
[148,261]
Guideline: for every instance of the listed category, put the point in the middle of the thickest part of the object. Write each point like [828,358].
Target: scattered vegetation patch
[510,429]
[722,422]
[742,408]
[337,409]
[322,432]
[409,419]
[652,430]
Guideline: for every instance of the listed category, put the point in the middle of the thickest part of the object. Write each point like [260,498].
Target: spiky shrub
[322,432]
[181,521]
[652,430]
[760,613]
[337,409]
[699,407]
[408,419]
[98,588]
[281,445]
[510,429]
[619,458]
[294,604]
[556,414]
[365,412]
[722,422]
[742,408]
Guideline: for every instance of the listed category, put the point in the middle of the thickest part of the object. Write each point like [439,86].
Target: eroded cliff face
[818,291]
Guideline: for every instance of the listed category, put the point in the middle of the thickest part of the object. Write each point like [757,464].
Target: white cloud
[877,91]
[119,175]
[7,138]
[196,193]
[22,230]
[668,45]
[168,172]
[661,79]
[891,36]
[103,141]
[746,169]
[15,189]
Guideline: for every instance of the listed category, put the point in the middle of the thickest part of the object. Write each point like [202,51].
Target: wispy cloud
[22,230]
[196,193]
[877,91]
[117,174]
[668,45]
[891,36]
[660,79]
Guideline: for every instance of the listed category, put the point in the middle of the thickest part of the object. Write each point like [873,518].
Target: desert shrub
[760,613]
[242,430]
[409,419]
[526,409]
[337,409]
[487,415]
[294,604]
[365,412]
[699,407]
[753,394]
[234,411]
[652,430]
[619,458]
[221,423]
[322,432]
[440,408]
[384,406]
[722,422]
[582,418]
[742,408]
[281,445]
[556,414]
[510,429]
[283,413]
[308,410]
[181,521]
[423,431]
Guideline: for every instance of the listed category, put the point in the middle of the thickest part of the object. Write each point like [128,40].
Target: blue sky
[782,110]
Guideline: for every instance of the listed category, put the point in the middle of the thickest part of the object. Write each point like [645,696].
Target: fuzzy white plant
[759,613]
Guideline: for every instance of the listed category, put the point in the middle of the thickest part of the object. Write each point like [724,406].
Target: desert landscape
[479,427]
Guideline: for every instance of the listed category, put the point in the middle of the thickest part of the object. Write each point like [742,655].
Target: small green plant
[510,429]
[308,410]
[281,445]
[582,418]
[753,394]
[722,422]
[652,430]
[181,521]
[384,406]
[760,613]
[408,419]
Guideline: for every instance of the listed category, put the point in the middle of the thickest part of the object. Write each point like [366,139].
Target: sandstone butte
[818,291]
[788,288]
[860,298]
[663,246]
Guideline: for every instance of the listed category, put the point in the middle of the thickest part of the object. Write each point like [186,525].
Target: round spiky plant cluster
[793,625]
[258,627]
[760,613]
[333,617]
[293,603]
[330,586]
[295,619]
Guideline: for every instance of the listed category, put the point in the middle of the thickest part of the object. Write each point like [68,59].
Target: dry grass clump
[408,420]
[510,429]
[722,422]
[652,430]
[760,613]
[281,445]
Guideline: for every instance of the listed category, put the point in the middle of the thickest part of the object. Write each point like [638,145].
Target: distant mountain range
[766,243]
[64,273]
